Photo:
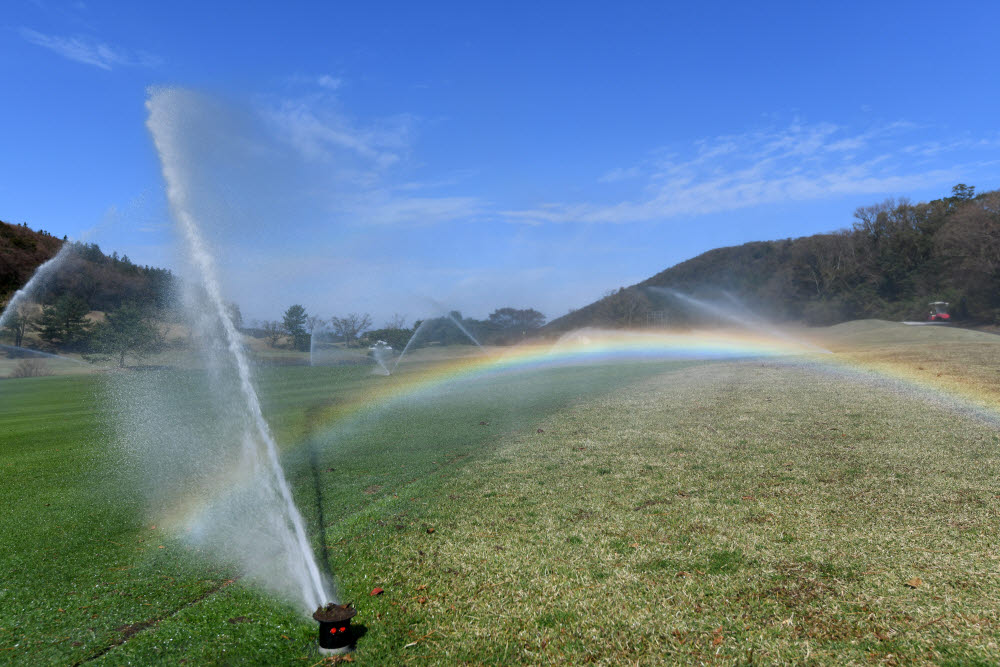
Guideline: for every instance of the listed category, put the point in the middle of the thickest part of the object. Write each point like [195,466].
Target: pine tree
[64,323]
[295,319]
[127,332]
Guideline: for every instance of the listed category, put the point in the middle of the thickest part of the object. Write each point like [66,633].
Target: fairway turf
[729,512]
[743,513]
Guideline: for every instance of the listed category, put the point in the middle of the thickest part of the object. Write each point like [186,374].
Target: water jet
[381,352]
[214,467]
[39,276]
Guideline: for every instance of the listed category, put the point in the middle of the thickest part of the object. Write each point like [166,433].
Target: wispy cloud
[620,174]
[329,82]
[89,51]
[318,131]
[394,210]
[361,159]
[797,163]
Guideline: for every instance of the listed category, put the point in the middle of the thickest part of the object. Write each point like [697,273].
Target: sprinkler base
[335,631]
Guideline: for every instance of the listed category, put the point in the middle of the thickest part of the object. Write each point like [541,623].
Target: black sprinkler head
[335,625]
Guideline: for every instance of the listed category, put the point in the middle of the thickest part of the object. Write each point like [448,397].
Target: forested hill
[103,282]
[22,250]
[890,263]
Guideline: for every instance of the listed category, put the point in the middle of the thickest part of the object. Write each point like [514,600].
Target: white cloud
[88,51]
[329,82]
[797,163]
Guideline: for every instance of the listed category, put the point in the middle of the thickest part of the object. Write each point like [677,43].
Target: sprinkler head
[335,625]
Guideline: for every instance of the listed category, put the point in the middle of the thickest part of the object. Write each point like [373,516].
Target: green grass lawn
[87,570]
[733,512]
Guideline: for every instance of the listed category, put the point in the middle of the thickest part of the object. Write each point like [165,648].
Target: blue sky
[384,157]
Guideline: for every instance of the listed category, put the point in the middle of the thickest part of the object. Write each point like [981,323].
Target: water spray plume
[28,352]
[737,314]
[22,295]
[446,315]
[256,476]
[465,331]
[45,270]
[381,354]
[327,348]
[409,343]
[450,314]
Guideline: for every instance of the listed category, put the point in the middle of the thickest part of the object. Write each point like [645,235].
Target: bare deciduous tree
[312,322]
[623,306]
[272,331]
[17,322]
[349,326]
[970,241]
[397,321]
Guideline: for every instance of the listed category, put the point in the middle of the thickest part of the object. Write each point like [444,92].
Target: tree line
[503,326]
[129,331]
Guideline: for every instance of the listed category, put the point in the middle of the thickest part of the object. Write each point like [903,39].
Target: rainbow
[424,373]
[421,376]
[579,348]
[595,346]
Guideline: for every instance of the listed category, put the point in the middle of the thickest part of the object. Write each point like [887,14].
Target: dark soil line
[130,631]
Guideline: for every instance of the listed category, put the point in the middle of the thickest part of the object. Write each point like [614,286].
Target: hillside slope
[893,260]
[103,282]
[22,250]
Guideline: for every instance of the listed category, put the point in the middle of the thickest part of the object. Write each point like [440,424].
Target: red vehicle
[939,312]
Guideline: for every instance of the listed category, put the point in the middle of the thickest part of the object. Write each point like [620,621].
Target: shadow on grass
[324,550]
[357,632]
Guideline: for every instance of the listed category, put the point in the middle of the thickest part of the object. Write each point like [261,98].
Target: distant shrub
[31,368]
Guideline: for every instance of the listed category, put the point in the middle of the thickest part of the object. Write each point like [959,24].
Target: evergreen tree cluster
[63,326]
